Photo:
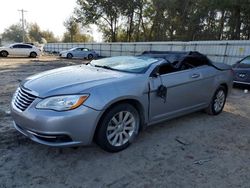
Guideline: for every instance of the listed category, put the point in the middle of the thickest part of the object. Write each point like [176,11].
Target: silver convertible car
[111,100]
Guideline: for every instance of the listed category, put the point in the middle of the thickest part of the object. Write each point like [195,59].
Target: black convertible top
[173,56]
[178,58]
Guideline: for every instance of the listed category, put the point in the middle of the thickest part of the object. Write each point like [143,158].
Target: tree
[163,20]
[72,27]
[35,33]
[104,13]
[49,36]
[77,38]
[73,33]
[13,33]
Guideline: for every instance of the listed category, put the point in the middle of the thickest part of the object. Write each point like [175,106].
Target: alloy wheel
[120,128]
[219,100]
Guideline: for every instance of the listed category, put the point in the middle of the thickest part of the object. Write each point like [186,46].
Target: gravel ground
[196,150]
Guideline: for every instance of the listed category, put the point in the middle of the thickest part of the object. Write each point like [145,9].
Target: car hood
[69,80]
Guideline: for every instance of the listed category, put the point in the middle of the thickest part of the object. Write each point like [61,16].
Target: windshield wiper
[104,66]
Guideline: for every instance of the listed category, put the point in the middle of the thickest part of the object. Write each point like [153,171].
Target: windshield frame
[245,59]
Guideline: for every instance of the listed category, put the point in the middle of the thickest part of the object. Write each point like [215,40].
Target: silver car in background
[79,53]
[110,100]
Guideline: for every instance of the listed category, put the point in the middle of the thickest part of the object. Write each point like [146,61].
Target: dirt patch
[196,150]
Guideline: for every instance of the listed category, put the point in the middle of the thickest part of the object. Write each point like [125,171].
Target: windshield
[72,49]
[125,63]
[246,61]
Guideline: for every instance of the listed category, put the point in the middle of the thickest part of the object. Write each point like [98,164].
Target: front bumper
[52,128]
[64,55]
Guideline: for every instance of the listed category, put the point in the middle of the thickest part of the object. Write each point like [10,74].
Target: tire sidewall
[102,139]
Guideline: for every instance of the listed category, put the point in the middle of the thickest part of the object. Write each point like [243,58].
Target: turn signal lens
[80,101]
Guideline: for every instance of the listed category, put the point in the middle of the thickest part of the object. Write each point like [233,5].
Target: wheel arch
[225,86]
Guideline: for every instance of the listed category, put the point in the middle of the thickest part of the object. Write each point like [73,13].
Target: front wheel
[218,101]
[118,128]
[69,56]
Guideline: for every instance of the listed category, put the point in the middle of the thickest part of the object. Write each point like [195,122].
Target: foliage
[49,36]
[37,35]
[13,33]
[163,20]
[34,34]
[73,33]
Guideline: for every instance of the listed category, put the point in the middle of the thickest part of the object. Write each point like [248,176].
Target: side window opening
[25,46]
[15,46]
[167,68]
[188,62]
[192,62]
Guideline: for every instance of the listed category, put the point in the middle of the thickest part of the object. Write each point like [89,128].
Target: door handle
[195,76]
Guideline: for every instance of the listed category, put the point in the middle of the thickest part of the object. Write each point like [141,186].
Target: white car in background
[20,49]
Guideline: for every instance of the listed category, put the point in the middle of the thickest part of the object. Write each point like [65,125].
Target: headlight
[62,103]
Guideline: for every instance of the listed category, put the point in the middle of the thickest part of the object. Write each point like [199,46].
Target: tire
[4,53]
[90,56]
[118,128]
[218,101]
[69,56]
[33,54]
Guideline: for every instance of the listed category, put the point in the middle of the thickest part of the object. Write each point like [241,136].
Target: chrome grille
[22,99]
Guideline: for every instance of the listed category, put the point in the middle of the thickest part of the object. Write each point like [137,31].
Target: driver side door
[186,91]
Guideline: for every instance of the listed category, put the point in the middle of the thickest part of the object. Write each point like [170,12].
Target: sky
[48,14]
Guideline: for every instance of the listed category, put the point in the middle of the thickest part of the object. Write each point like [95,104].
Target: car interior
[176,61]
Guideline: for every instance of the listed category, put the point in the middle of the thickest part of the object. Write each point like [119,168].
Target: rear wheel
[69,56]
[118,128]
[33,54]
[4,53]
[218,101]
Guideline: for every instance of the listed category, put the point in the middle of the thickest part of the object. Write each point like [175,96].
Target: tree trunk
[221,27]
[236,25]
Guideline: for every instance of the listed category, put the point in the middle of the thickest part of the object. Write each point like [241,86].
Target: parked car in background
[242,71]
[20,49]
[110,100]
[78,53]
